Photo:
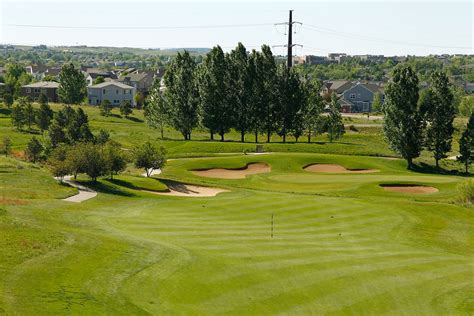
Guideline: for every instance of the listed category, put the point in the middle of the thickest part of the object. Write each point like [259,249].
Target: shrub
[353,128]
[466,192]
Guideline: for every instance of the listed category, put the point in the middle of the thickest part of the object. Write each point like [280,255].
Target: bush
[466,192]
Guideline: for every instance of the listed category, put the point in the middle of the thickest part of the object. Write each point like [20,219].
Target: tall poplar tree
[440,112]
[182,94]
[216,108]
[403,122]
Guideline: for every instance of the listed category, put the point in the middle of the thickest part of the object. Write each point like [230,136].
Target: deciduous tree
[33,149]
[466,144]
[156,109]
[44,114]
[440,112]
[149,158]
[335,126]
[403,122]
[182,94]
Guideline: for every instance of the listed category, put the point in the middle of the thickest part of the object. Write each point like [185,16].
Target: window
[104,91]
[28,90]
[116,101]
[117,91]
[37,90]
[352,96]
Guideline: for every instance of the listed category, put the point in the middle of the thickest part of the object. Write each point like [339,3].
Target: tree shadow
[134,119]
[5,111]
[104,188]
[429,169]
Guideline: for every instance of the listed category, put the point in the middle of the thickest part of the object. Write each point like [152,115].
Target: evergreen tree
[466,144]
[216,108]
[7,146]
[102,137]
[7,99]
[182,94]
[403,122]
[105,107]
[72,85]
[156,110]
[440,112]
[33,149]
[58,163]
[45,114]
[335,126]
[18,116]
[56,134]
[125,108]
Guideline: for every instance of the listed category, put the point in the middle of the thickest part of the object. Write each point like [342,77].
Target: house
[115,92]
[142,81]
[336,86]
[37,71]
[359,97]
[48,88]
[92,74]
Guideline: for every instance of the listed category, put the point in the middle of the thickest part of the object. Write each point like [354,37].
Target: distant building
[359,97]
[48,88]
[142,81]
[336,86]
[115,92]
[469,88]
[310,60]
[92,74]
[337,57]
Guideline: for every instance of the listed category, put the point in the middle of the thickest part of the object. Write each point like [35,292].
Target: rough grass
[341,244]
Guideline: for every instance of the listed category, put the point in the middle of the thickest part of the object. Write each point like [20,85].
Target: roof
[42,84]
[134,77]
[339,85]
[112,83]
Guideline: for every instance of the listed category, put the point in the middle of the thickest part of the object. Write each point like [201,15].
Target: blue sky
[354,27]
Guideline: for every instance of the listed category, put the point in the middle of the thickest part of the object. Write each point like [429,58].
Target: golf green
[283,242]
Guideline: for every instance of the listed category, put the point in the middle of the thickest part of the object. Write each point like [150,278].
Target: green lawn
[341,245]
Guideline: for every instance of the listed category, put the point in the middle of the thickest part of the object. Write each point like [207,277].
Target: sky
[353,27]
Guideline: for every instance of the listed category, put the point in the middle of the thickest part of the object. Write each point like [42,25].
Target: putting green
[341,243]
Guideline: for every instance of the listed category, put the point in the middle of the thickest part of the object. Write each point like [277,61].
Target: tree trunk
[284,138]
[309,137]
[242,136]
[296,139]
[162,132]
[467,166]
[222,137]
[256,136]
[410,163]
[212,135]
[268,136]
[437,163]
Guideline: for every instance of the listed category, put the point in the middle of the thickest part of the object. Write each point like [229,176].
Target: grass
[342,245]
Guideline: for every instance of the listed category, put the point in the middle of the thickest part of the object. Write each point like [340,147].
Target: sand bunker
[409,188]
[241,173]
[188,190]
[331,168]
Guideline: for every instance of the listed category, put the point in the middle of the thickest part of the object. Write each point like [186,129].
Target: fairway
[341,244]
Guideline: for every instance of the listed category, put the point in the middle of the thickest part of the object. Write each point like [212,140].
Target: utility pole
[290,44]
[290,40]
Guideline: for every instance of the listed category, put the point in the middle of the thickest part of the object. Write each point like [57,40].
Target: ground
[341,243]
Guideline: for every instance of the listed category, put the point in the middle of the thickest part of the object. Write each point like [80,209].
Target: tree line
[248,92]
[415,121]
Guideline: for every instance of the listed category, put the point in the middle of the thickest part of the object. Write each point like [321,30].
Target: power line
[290,44]
[137,27]
[373,39]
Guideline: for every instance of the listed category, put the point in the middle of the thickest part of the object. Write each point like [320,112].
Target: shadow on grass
[429,169]
[5,111]
[134,119]
[104,188]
